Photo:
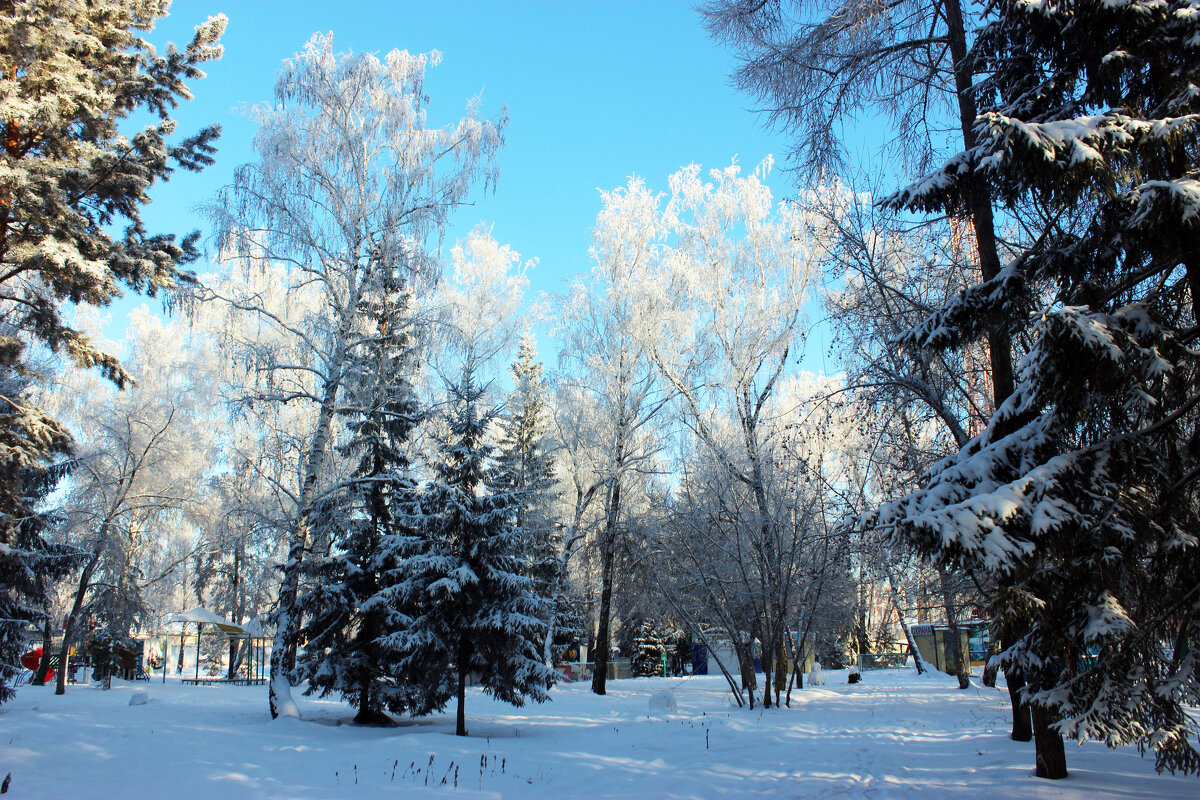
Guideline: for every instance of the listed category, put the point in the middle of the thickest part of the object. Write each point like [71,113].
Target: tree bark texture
[600,673]
[745,654]
[39,679]
[1048,743]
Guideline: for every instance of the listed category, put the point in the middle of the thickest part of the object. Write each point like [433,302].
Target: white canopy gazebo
[252,631]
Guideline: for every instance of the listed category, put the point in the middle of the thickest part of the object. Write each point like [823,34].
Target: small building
[704,662]
[932,638]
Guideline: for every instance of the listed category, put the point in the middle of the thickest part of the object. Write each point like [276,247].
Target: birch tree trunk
[583,499]
[283,648]
[894,593]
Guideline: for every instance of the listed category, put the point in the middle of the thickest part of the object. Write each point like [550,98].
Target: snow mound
[139,698]
[662,703]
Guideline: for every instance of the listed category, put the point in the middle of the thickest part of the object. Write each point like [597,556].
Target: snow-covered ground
[893,736]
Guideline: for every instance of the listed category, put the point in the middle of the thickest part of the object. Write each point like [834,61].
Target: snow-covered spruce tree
[31,441]
[31,563]
[651,646]
[475,612]
[349,180]
[70,74]
[1081,495]
[525,468]
[350,618]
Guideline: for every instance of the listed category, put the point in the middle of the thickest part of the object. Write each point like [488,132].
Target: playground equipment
[33,659]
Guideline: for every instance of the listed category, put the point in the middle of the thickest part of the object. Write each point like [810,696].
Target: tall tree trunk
[863,629]
[287,622]
[767,665]
[464,657]
[366,714]
[780,671]
[548,642]
[600,674]
[279,687]
[991,668]
[39,679]
[797,680]
[798,659]
[1022,727]
[745,656]
[999,343]
[1048,744]
[980,199]
[109,666]
[69,633]
[237,615]
[770,582]
[233,651]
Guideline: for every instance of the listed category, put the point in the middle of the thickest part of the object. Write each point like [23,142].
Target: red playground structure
[32,659]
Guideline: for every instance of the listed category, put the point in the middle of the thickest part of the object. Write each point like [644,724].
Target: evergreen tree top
[1083,96]
[70,74]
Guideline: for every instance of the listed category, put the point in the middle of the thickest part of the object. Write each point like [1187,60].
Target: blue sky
[596,92]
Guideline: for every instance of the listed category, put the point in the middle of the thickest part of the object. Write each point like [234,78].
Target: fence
[618,668]
[882,660]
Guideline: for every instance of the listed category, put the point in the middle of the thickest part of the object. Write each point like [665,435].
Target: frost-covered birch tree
[715,545]
[726,324]
[604,357]
[142,459]
[350,179]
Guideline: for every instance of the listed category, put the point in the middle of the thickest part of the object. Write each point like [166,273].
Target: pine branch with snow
[1081,492]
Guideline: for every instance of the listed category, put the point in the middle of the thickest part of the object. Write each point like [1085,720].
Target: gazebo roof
[202,616]
[254,629]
